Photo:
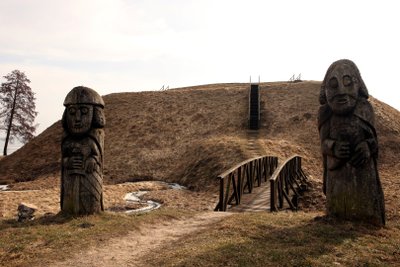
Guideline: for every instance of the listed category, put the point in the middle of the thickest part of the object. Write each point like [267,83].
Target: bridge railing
[288,182]
[243,177]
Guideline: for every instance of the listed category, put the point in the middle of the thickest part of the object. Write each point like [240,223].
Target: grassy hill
[189,135]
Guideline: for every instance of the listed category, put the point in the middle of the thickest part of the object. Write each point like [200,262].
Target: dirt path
[253,144]
[128,251]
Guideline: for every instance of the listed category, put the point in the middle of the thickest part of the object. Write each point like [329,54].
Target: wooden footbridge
[260,183]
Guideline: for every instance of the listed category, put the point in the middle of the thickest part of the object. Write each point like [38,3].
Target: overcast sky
[137,45]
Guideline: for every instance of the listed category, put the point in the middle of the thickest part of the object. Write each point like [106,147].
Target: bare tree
[17,108]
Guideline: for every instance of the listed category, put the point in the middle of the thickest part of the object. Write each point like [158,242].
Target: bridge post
[221,194]
[273,196]
[251,177]
[240,183]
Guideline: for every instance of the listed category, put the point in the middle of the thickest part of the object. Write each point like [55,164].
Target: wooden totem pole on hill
[349,146]
[82,152]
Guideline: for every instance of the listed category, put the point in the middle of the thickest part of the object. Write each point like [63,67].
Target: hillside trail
[259,199]
[131,249]
[253,146]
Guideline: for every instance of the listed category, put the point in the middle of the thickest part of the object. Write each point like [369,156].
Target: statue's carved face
[342,89]
[79,118]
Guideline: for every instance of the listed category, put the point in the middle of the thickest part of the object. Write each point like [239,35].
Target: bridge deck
[258,200]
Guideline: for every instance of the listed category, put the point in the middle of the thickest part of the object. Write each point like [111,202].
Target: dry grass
[56,238]
[247,239]
[149,135]
[189,136]
[48,200]
[284,239]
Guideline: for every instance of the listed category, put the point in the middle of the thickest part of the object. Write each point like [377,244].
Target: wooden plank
[227,194]
[280,191]
[289,201]
[235,191]
[259,172]
[226,173]
[219,206]
[240,183]
[272,198]
[251,176]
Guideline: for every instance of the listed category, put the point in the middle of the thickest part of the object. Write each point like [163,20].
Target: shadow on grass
[42,220]
[272,245]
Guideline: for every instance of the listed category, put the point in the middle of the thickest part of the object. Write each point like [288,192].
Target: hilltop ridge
[189,135]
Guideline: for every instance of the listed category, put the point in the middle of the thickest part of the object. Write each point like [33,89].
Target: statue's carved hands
[341,149]
[91,165]
[75,162]
[361,154]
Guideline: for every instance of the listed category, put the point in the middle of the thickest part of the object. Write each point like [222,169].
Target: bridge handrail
[287,177]
[226,173]
[242,175]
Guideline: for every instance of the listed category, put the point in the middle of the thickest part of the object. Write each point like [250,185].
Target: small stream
[135,198]
[4,187]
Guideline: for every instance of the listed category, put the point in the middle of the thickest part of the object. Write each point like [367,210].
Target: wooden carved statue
[349,146]
[82,152]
